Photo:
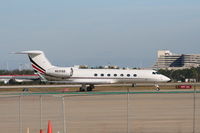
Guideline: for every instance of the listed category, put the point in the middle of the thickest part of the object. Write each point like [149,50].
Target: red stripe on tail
[35,67]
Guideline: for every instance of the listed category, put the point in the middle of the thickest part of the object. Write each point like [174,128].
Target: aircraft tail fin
[38,60]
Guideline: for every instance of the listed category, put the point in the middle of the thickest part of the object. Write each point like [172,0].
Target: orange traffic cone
[49,130]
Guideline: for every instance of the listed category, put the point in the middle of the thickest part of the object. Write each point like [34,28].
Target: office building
[168,60]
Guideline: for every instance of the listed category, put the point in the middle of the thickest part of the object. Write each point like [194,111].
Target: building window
[95,74]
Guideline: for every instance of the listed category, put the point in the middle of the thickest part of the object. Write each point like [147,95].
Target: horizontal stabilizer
[29,52]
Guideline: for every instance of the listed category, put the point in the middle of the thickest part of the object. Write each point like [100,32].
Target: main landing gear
[86,88]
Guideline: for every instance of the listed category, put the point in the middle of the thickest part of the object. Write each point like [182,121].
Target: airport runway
[107,113]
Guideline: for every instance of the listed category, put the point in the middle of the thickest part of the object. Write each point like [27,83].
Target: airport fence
[29,112]
[130,111]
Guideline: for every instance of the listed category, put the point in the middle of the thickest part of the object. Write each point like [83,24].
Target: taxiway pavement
[107,113]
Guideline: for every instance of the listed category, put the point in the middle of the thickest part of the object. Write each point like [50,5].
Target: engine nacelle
[60,72]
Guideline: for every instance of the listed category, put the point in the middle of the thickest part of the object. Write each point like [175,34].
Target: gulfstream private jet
[89,77]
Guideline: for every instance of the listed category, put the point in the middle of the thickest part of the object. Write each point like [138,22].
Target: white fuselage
[107,76]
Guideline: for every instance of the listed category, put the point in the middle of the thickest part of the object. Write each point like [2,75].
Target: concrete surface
[97,113]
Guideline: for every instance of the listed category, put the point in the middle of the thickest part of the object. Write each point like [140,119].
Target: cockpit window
[155,73]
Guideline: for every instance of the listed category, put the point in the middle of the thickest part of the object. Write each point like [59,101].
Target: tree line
[181,75]
[16,72]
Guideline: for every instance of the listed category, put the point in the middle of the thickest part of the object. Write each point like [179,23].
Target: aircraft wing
[85,81]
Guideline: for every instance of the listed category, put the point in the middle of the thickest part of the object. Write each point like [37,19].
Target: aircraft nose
[169,80]
[166,79]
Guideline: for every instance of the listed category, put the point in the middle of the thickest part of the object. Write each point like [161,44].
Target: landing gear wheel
[89,88]
[134,84]
[82,89]
[157,87]
[85,88]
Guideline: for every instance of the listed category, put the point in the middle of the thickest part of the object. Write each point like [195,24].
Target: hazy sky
[98,32]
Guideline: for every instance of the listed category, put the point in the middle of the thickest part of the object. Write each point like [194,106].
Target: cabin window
[95,74]
[121,75]
[115,75]
[102,75]
[128,75]
[108,75]
[154,73]
[135,75]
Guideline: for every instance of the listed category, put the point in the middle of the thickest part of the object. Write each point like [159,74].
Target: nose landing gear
[157,88]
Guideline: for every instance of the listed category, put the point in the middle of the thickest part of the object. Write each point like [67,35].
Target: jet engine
[60,72]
